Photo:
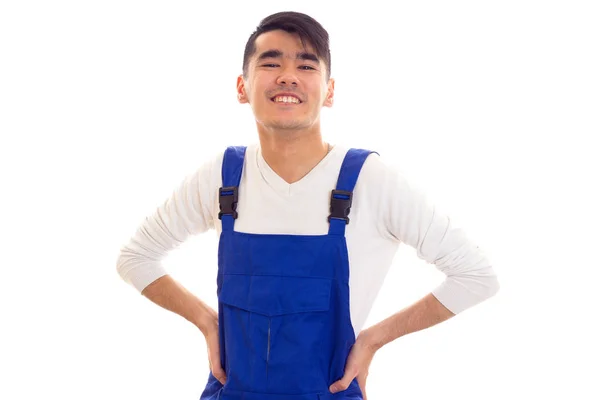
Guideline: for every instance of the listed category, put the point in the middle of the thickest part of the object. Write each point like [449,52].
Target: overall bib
[284,313]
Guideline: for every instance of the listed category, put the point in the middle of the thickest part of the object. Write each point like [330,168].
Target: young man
[307,234]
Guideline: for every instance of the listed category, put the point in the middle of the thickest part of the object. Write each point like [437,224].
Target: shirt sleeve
[188,211]
[411,218]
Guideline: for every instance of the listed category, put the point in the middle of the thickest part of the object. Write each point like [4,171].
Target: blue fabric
[353,162]
[284,314]
[231,173]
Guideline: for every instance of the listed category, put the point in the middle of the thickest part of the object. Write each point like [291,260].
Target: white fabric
[386,211]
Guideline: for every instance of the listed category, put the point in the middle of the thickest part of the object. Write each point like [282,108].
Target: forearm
[172,296]
[421,315]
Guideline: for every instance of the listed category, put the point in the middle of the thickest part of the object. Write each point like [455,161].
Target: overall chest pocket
[274,328]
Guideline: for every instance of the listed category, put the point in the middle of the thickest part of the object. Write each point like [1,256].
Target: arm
[188,211]
[421,315]
[171,295]
[405,215]
[424,313]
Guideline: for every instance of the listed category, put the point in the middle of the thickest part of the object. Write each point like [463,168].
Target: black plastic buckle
[341,201]
[228,198]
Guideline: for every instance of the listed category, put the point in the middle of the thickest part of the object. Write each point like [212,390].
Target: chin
[279,122]
[287,124]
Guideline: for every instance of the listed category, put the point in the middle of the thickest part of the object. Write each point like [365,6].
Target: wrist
[373,337]
[206,319]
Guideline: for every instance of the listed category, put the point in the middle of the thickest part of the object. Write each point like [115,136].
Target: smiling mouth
[286,100]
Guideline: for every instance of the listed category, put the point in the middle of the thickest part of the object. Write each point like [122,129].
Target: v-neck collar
[283,187]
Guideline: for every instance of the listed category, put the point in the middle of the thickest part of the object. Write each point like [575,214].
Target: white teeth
[286,99]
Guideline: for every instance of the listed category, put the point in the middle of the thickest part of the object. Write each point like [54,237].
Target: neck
[292,155]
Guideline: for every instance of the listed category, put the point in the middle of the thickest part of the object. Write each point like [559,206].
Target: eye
[308,67]
[270,65]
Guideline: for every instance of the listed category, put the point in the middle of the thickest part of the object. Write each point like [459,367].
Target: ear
[241,90]
[330,90]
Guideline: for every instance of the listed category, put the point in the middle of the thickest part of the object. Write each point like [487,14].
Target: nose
[287,76]
[286,81]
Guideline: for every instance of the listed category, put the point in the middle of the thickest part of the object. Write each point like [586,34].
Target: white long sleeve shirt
[386,211]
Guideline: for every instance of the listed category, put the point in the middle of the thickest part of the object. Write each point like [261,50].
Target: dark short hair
[305,26]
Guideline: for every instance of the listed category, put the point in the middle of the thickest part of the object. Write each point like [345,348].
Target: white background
[105,106]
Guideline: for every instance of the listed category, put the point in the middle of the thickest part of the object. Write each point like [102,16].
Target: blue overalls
[284,313]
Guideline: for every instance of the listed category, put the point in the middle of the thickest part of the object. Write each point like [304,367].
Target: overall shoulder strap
[231,173]
[341,197]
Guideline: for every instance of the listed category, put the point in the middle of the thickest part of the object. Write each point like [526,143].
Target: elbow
[121,266]
[486,285]
[493,286]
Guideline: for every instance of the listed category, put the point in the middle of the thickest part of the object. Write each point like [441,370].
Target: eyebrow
[279,54]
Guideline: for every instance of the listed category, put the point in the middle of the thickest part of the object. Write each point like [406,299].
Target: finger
[362,384]
[343,383]
[218,373]
[215,365]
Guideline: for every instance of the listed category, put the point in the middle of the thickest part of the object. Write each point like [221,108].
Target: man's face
[286,84]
